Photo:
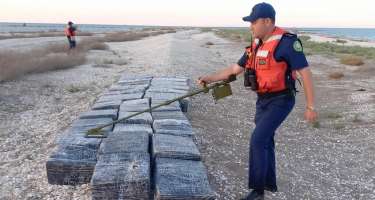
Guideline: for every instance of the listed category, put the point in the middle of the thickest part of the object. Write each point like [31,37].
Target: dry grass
[357,118]
[38,60]
[107,61]
[84,34]
[337,49]
[341,41]
[169,31]
[235,34]
[351,60]
[134,35]
[15,35]
[164,29]
[95,45]
[155,33]
[4,37]
[333,115]
[73,89]
[52,57]
[336,75]
[12,66]
[338,126]
[316,124]
[58,56]
[124,36]
[120,61]
[101,65]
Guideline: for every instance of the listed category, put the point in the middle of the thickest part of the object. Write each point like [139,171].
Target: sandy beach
[335,160]
[349,42]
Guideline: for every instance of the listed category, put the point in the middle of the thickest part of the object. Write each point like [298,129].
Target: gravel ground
[333,161]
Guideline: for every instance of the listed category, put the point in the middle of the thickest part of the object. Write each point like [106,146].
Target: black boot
[254,195]
[271,189]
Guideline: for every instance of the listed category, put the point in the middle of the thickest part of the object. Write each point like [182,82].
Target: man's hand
[204,80]
[220,75]
[310,115]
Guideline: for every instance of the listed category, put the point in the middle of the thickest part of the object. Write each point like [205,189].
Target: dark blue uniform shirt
[286,51]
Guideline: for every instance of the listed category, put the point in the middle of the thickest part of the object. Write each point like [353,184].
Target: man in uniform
[270,64]
[70,32]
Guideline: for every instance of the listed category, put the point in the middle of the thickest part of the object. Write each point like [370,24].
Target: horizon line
[194,26]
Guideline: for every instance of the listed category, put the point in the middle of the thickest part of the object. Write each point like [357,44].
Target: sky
[289,13]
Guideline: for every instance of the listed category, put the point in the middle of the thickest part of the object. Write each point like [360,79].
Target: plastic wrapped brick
[181,179]
[170,146]
[121,176]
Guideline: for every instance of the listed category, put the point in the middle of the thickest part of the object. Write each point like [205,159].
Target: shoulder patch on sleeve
[297,46]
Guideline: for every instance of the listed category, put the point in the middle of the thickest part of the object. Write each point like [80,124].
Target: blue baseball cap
[260,10]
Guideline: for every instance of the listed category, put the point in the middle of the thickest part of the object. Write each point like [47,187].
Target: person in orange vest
[270,65]
[70,32]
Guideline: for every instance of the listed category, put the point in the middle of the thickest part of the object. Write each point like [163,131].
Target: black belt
[267,95]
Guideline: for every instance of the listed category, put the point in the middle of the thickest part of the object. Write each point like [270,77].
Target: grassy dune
[235,34]
[329,48]
[350,55]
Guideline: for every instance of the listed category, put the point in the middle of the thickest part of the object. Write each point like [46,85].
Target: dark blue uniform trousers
[270,113]
[72,43]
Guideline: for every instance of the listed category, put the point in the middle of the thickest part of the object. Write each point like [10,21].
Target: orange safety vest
[271,74]
[68,32]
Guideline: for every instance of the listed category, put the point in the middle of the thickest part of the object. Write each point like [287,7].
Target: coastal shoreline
[318,37]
